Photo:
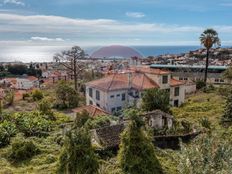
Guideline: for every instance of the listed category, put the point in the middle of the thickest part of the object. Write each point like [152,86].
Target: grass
[200,105]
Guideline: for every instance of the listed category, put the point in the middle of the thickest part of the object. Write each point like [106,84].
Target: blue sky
[107,22]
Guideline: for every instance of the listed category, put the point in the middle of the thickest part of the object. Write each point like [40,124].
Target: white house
[23,83]
[118,90]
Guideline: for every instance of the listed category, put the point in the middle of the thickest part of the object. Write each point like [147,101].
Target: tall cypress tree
[78,155]
[137,154]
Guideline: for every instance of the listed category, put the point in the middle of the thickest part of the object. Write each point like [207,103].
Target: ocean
[45,53]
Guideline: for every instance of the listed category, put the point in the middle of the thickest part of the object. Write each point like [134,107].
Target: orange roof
[120,81]
[32,78]
[145,69]
[175,82]
[93,111]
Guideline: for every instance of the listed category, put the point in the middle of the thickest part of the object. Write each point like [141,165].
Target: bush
[7,130]
[32,123]
[98,122]
[45,108]
[23,150]
[200,84]
[25,95]
[37,95]
[205,123]
[4,137]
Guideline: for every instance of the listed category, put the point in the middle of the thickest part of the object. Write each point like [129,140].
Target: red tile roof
[120,81]
[175,82]
[145,69]
[32,78]
[93,111]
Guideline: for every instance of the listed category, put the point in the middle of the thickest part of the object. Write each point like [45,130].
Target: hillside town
[115,87]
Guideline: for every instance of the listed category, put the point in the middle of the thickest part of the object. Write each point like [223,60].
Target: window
[97,95]
[123,97]
[180,78]
[118,95]
[176,103]
[185,78]
[112,110]
[216,80]
[119,108]
[90,92]
[90,102]
[177,91]
[98,105]
[222,81]
[165,80]
[112,96]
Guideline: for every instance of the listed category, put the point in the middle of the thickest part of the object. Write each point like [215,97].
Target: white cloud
[226,4]
[135,14]
[15,2]
[96,31]
[36,38]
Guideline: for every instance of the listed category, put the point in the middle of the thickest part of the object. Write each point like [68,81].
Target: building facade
[121,89]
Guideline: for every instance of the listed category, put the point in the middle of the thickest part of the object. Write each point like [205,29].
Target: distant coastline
[45,54]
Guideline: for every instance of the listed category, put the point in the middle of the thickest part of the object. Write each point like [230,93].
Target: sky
[32,27]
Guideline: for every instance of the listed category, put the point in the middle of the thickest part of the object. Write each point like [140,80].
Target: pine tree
[228,109]
[78,156]
[137,153]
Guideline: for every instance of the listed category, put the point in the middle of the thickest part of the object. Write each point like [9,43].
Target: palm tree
[208,39]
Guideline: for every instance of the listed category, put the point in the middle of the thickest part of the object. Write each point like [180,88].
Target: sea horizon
[28,54]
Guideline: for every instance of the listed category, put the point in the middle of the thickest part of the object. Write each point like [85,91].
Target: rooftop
[118,81]
[93,111]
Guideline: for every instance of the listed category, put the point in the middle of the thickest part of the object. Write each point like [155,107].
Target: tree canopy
[155,99]
[137,153]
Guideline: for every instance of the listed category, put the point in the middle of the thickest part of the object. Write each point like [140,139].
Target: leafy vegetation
[155,99]
[66,96]
[137,154]
[78,155]
[22,149]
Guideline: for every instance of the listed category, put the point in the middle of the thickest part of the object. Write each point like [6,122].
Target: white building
[119,90]
[23,83]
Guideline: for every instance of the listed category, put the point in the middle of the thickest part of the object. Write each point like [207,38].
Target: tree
[78,155]
[69,59]
[66,95]
[17,69]
[155,99]
[228,109]
[137,153]
[228,74]
[208,39]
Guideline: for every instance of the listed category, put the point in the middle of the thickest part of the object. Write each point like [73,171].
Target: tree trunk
[206,66]
[75,74]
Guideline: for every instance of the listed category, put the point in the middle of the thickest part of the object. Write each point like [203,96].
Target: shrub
[45,108]
[22,149]
[25,95]
[200,84]
[205,123]
[4,137]
[98,122]
[32,123]
[37,95]
[7,130]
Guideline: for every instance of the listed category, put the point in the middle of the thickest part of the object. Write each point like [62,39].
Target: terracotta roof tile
[92,110]
[149,70]
[119,81]
[175,82]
